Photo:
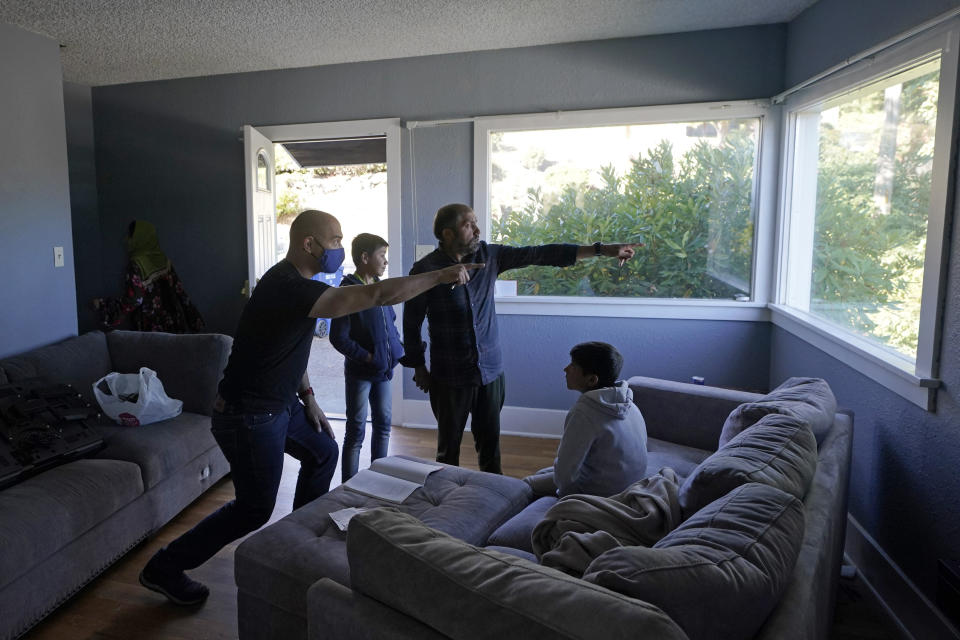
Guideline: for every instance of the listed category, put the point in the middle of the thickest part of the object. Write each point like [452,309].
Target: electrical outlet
[58,256]
[422,250]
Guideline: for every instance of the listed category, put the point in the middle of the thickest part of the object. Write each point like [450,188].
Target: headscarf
[144,249]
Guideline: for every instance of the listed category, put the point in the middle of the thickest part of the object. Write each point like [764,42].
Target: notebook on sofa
[392,479]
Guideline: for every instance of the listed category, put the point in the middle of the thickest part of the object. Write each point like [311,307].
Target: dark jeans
[254,444]
[450,407]
[357,392]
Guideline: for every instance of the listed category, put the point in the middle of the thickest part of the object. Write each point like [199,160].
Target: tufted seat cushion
[279,563]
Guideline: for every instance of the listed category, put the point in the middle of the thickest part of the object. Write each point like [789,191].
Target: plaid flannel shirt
[462,321]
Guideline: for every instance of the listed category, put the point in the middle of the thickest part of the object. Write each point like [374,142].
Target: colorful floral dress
[158,303]
[153,296]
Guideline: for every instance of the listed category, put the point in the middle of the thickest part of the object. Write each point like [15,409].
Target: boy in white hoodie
[604,445]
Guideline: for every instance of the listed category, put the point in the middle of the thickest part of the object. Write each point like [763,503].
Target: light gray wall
[171,151]
[37,301]
[904,487]
[85,217]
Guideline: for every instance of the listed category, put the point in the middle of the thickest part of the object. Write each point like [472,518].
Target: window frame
[764,203]
[916,381]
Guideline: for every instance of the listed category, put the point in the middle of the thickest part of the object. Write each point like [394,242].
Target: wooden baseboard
[916,615]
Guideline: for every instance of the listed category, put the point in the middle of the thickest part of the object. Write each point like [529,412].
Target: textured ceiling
[117,41]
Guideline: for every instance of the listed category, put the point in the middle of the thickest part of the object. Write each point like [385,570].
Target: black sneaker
[174,584]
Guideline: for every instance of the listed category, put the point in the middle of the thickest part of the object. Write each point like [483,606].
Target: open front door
[261,205]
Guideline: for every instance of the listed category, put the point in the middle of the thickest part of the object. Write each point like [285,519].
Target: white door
[261,204]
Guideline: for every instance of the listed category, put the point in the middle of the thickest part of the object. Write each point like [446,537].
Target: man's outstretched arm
[341,301]
[621,251]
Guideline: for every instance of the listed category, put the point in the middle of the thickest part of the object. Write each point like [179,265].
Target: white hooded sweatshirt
[604,444]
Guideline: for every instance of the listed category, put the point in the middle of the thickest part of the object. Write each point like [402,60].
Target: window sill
[879,365]
[670,308]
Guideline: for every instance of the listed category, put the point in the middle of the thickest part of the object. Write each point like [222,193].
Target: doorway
[352,170]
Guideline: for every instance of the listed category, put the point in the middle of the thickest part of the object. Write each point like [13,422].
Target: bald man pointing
[257,415]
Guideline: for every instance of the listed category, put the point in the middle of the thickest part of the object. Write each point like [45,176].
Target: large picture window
[684,187]
[864,212]
[861,198]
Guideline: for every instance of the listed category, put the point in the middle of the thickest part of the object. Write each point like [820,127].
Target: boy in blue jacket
[372,348]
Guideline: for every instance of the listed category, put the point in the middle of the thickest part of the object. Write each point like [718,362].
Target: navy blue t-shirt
[272,343]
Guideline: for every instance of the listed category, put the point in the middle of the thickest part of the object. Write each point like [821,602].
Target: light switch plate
[58,256]
[422,250]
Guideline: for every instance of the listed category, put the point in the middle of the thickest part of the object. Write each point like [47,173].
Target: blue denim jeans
[357,393]
[254,444]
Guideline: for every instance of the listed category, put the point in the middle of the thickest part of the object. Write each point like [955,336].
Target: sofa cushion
[159,449]
[48,511]
[809,399]
[465,592]
[779,451]
[3,376]
[190,366]
[721,572]
[279,563]
[516,531]
[79,361]
[679,457]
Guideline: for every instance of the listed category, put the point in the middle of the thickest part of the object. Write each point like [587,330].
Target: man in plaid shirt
[467,368]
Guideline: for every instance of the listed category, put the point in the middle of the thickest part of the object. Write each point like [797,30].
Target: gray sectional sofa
[760,495]
[61,528]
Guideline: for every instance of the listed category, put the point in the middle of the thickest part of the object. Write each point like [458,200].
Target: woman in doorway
[153,298]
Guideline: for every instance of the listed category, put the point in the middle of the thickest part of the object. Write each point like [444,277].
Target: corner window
[864,208]
[681,180]
[862,167]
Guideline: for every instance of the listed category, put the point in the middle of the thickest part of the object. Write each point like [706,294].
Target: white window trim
[764,203]
[917,381]
[672,308]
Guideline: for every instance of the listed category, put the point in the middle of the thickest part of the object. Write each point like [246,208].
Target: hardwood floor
[116,607]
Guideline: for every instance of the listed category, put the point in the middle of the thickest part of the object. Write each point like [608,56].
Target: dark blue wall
[84,214]
[904,488]
[833,30]
[170,152]
[37,301]
[726,354]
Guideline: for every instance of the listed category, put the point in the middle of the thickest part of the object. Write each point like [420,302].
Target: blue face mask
[331,260]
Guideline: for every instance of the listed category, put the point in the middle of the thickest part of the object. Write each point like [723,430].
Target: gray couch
[757,555]
[64,526]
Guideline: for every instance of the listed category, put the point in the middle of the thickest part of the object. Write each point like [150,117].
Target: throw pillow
[809,399]
[720,573]
[516,531]
[469,593]
[778,451]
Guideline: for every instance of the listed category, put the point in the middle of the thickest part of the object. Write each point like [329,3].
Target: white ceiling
[117,41]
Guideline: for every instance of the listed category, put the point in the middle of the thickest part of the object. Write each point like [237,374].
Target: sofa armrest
[684,413]
[189,366]
[334,611]
[468,593]
[806,608]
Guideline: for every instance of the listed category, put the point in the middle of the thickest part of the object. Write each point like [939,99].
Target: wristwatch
[598,248]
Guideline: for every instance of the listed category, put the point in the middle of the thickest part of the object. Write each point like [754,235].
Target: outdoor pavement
[325,370]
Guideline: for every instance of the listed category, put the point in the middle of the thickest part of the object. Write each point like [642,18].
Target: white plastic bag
[134,399]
